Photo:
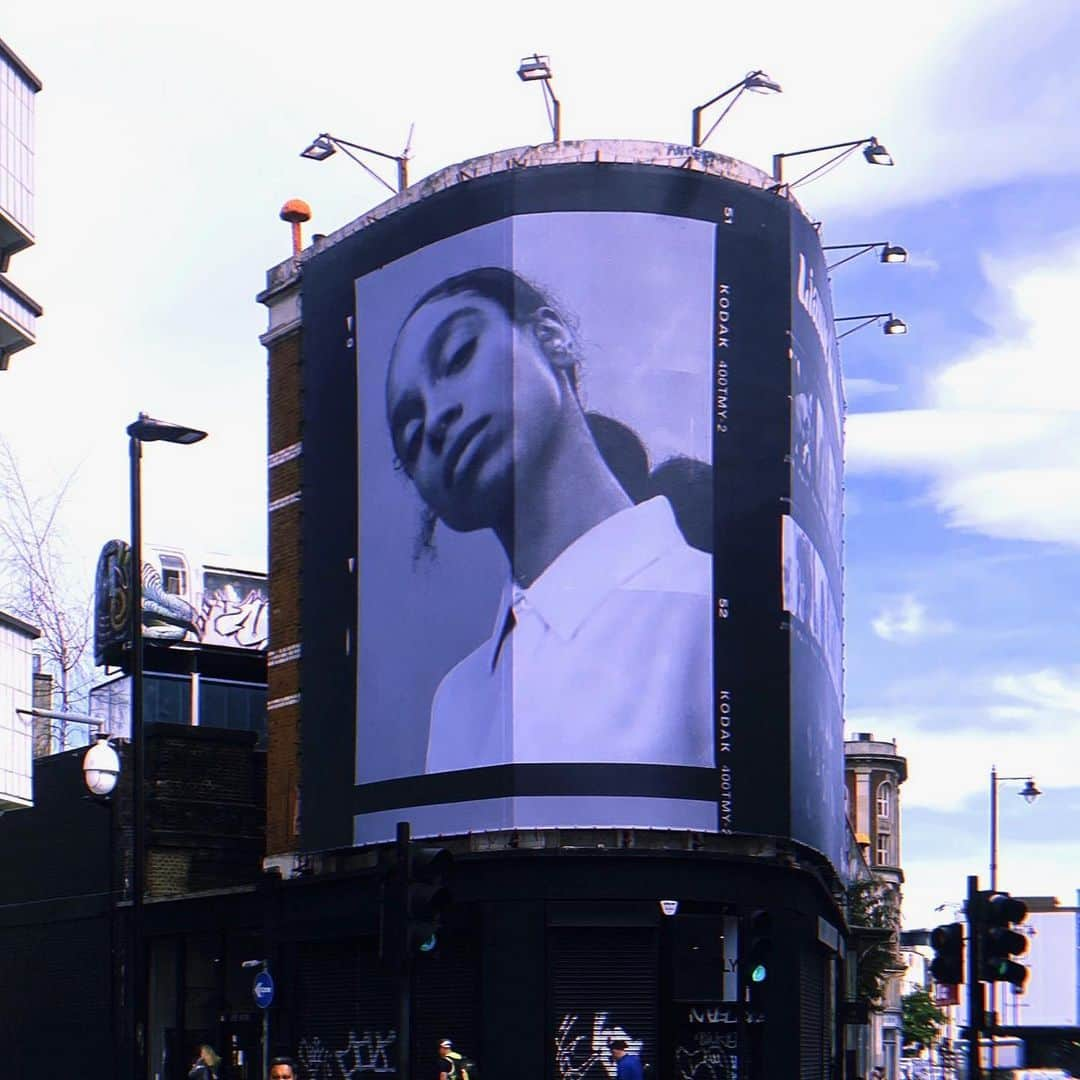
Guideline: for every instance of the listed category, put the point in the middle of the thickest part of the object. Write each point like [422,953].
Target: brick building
[556,939]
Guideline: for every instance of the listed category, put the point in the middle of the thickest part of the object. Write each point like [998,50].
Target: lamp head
[147,429]
[534,68]
[1030,792]
[319,149]
[761,82]
[894,253]
[894,325]
[876,154]
[101,767]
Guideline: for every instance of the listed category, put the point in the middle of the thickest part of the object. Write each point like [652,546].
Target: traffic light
[997,942]
[947,967]
[414,896]
[757,956]
[426,897]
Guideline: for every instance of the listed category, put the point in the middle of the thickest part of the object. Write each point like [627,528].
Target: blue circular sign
[263,990]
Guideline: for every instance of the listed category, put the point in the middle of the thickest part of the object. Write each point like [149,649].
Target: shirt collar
[596,563]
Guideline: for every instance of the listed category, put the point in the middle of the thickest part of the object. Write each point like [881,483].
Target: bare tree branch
[36,582]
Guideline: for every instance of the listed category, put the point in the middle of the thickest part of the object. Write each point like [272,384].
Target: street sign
[262,990]
[946,994]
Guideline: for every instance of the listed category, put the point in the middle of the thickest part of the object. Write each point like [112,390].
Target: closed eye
[410,439]
[461,356]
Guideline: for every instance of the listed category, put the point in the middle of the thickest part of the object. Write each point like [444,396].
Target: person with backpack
[452,1065]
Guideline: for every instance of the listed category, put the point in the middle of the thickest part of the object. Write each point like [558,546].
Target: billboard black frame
[753,343]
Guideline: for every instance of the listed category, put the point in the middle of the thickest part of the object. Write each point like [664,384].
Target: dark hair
[685,482]
[520,299]
[282,1061]
[617,1044]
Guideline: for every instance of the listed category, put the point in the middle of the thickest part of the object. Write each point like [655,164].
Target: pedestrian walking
[206,1064]
[627,1065]
[452,1065]
[282,1068]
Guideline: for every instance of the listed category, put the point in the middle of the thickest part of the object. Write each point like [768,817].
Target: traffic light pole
[976,1019]
[404,974]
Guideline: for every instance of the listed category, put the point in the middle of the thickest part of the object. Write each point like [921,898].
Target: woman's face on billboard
[473,399]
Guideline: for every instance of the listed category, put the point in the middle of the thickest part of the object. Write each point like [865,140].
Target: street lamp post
[754,80]
[144,429]
[1029,794]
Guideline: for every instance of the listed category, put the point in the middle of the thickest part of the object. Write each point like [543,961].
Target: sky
[168,139]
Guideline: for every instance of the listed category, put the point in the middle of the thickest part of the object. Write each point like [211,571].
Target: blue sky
[168,140]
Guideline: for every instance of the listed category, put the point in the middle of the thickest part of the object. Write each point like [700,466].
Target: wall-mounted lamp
[754,80]
[873,151]
[890,253]
[891,327]
[326,145]
[537,68]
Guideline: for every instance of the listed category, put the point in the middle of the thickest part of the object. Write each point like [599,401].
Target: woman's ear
[554,337]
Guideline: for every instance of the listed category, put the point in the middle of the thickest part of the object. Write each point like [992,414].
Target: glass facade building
[17,142]
[18,89]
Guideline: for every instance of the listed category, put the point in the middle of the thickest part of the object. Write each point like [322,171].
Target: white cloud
[1027,723]
[1029,720]
[906,620]
[859,389]
[999,438]
[940,877]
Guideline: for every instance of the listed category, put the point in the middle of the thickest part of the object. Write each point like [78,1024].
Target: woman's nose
[438,431]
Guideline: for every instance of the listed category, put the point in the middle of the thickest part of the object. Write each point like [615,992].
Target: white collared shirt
[608,658]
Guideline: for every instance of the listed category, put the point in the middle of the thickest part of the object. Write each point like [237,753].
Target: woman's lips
[458,448]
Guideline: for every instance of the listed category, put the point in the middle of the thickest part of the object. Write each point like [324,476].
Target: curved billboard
[563,563]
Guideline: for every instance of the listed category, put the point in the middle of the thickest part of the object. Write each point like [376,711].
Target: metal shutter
[811,1015]
[345,1011]
[603,987]
[445,991]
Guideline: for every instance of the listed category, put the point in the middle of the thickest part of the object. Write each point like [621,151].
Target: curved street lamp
[891,327]
[1029,794]
[873,151]
[890,253]
[753,80]
[326,145]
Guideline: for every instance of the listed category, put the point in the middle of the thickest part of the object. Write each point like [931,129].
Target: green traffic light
[758,973]
[429,943]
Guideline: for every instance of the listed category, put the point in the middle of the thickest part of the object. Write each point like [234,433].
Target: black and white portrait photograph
[535,492]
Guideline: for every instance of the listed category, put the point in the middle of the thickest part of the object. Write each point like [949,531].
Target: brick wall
[285,483]
[205,810]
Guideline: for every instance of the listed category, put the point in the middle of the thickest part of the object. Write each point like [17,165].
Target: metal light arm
[554,111]
[866,320]
[845,148]
[862,250]
[401,160]
[696,138]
